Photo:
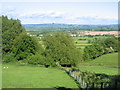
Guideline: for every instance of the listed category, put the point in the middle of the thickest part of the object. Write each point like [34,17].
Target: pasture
[106,64]
[27,76]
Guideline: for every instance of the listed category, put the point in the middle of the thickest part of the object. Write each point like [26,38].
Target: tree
[10,30]
[111,43]
[100,47]
[25,46]
[93,51]
[60,50]
[17,45]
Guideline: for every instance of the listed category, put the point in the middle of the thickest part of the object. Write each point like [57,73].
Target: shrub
[9,58]
[36,59]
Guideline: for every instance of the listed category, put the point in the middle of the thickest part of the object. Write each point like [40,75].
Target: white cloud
[40,13]
[52,16]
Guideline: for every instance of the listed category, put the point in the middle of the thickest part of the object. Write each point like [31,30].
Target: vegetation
[37,29]
[27,76]
[10,30]
[93,80]
[100,47]
[55,49]
[17,45]
[106,64]
[24,46]
[60,50]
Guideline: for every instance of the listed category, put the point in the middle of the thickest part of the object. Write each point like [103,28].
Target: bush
[36,59]
[9,58]
[60,50]
[25,46]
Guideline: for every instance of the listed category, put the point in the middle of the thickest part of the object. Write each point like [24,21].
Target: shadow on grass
[62,88]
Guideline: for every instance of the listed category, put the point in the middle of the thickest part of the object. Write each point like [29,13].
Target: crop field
[27,76]
[89,38]
[107,64]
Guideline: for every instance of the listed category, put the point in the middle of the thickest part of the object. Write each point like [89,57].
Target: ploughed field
[106,64]
[27,76]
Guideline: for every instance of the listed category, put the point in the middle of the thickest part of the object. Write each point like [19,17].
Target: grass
[109,60]
[100,69]
[17,76]
[89,38]
[107,64]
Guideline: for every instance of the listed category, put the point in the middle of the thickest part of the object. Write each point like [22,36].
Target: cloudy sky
[62,12]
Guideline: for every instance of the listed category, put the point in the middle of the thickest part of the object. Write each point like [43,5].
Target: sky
[62,12]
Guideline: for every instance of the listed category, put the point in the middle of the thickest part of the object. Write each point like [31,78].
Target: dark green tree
[111,43]
[60,50]
[93,51]
[17,45]
[25,46]
[10,30]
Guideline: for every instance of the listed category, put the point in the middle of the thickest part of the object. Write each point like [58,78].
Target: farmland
[107,64]
[37,59]
[17,76]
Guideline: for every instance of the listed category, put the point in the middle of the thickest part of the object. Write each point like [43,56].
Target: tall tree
[10,30]
[60,50]
[25,46]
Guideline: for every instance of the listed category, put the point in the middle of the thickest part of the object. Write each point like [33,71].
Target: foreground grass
[35,77]
[106,64]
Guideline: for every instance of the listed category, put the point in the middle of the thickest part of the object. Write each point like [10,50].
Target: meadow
[106,64]
[28,76]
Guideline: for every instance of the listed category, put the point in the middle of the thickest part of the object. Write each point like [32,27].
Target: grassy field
[16,76]
[89,38]
[107,64]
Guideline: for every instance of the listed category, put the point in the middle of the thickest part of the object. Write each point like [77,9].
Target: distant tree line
[100,47]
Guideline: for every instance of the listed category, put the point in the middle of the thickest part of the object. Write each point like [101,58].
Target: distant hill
[53,27]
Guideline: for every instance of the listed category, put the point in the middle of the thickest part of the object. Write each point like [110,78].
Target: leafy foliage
[16,43]
[36,59]
[24,46]
[101,47]
[9,57]
[10,30]
[60,49]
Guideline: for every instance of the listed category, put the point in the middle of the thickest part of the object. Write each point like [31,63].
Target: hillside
[42,28]
[107,64]
[110,60]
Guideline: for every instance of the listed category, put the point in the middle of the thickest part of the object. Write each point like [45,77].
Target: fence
[90,80]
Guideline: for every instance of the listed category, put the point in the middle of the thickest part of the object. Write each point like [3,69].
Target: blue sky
[62,12]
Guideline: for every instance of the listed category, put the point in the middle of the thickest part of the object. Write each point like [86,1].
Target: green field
[107,64]
[16,76]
